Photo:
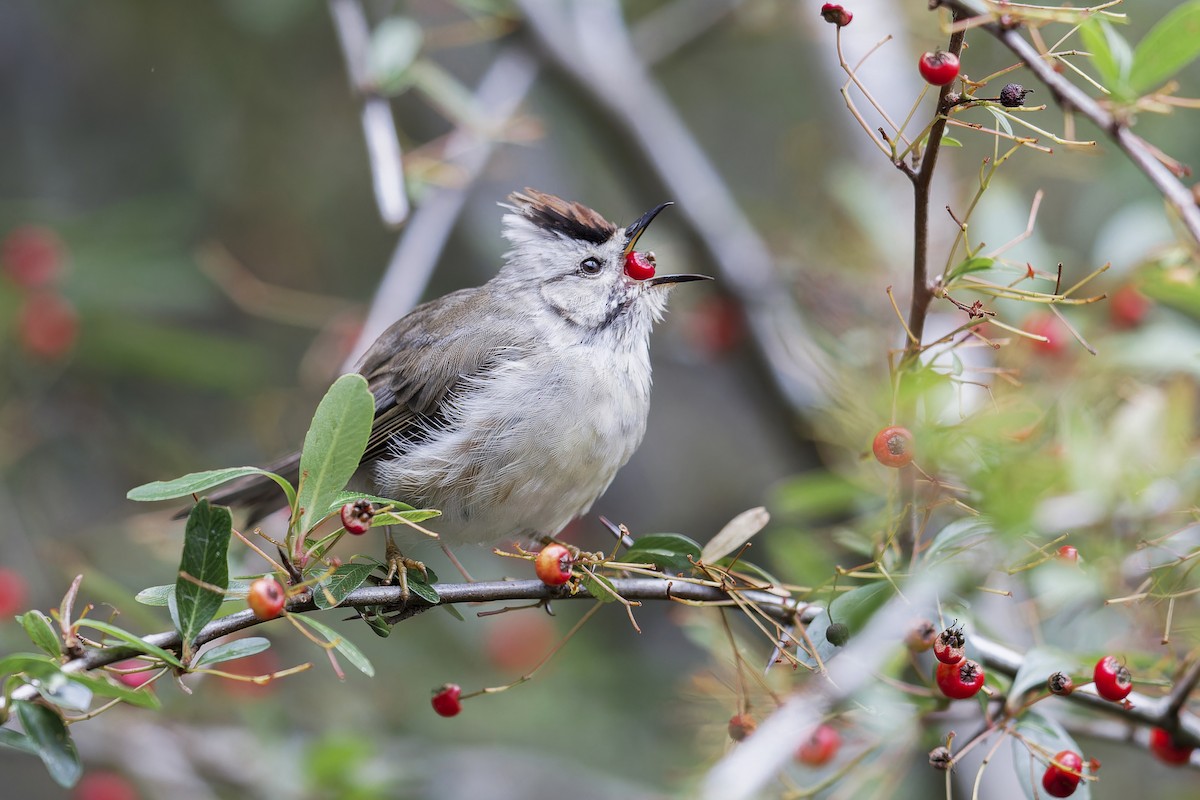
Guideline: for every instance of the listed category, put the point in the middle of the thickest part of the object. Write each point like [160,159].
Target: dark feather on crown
[551,213]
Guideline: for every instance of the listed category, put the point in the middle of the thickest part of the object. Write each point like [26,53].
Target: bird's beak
[667,280]
[638,226]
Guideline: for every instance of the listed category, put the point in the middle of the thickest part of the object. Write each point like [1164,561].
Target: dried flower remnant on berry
[835,14]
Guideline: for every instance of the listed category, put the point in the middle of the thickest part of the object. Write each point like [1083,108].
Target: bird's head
[584,268]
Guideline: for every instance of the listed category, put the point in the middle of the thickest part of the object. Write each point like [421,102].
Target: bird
[511,406]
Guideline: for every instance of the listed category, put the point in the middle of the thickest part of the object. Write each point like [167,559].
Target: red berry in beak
[639,266]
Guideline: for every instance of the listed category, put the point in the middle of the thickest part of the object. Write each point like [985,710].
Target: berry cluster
[31,258]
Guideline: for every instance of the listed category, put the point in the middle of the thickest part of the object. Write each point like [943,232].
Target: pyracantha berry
[1068,553]
[940,758]
[920,636]
[1013,95]
[553,564]
[938,68]
[31,256]
[741,726]
[47,325]
[639,265]
[949,644]
[834,14]
[14,591]
[1051,329]
[821,747]
[1113,681]
[960,681]
[1060,683]
[1127,307]
[266,598]
[1164,747]
[446,700]
[1062,776]
[837,634]
[893,446]
[357,516]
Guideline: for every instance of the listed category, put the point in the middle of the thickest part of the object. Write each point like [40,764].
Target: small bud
[940,758]
[921,636]
[834,14]
[1013,95]
[1060,683]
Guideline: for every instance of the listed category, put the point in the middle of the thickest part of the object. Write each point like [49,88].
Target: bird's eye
[590,266]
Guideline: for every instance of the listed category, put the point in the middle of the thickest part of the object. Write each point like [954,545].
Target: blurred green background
[181,153]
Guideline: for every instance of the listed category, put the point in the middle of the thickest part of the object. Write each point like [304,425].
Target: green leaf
[205,558]
[959,536]
[853,609]
[416,515]
[344,580]
[136,643]
[816,495]
[48,734]
[33,663]
[1037,666]
[1172,44]
[333,446]
[1110,53]
[230,651]
[1001,120]
[668,551]
[59,690]
[976,264]
[424,589]
[950,141]
[41,631]
[160,596]
[341,643]
[394,47]
[1048,733]
[349,497]
[197,482]
[599,587]
[142,698]
[17,741]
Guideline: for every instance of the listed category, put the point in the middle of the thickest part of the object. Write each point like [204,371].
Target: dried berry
[834,14]
[1013,95]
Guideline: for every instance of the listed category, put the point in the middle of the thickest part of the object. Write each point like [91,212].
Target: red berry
[553,564]
[1051,329]
[31,256]
[948,646]
[1164,746]
[13,592]
[836,15]
[1113,681]
[1127,307]
[639,266]
[100,785]
[445,700]
[1068,553]
[821,747]
[741,726]
[1060,683]
[1063,775]
[266,598]
[133,679]
[356,517]
[893,446]
[938,68]
[47,325]
[921,636]
[960,681]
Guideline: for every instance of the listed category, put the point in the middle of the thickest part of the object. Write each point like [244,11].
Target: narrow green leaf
[599,587]
[343,645]
[416,515]
[160,596]
[230,651]
[205,558]
[976,264]
[197,482]
[668,551]
[142,698]
[950,141]
[451,97]
[394,47]
[1037,666]
[424,590]
[137,643]
[41,631]
[1110,53]
[1047,732]
[333,446]
[341,498]
[48,734]
[35,664]
[17,741]
[816,495]
[958,536]
[344,580]
[1172,44]
[1001,120]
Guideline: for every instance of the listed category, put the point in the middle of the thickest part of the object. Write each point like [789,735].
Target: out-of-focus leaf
[1172,44]
[853,609]
[814,495]
[444,91]
[341,643]
[1047,732]
[17,741]
[143,697]
[395,44]
[333,446]
[48,734]
[1037,666]
[668,551]
[976,264]
[197,482]
[736,533]
[205,558]
[230,651]
[41,632]
[344,580]
[960,535]
[1110,53]
[59,690]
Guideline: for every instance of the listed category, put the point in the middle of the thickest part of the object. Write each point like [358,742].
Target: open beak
[666,280]
[638,226]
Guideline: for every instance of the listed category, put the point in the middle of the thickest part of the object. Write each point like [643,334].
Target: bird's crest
[550,213]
